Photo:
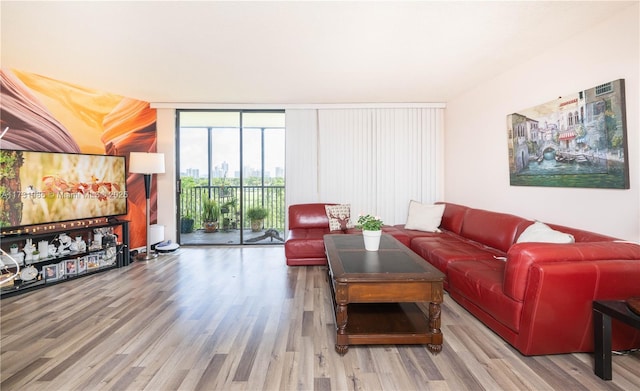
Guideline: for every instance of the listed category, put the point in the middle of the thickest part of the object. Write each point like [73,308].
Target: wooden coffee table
[375,294]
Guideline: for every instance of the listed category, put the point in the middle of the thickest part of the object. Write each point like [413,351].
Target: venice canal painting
[578,140]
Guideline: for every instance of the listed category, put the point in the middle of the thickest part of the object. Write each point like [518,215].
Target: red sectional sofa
[308,223]
[537,296]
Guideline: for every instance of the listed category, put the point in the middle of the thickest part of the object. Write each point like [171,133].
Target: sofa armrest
[556,313]
[522,256]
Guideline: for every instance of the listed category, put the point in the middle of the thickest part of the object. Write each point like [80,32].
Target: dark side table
[603,311]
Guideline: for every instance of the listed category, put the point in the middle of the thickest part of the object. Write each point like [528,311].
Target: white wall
[476,156]
[165,126]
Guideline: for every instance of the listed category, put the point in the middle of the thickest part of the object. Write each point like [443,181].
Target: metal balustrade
[269,197]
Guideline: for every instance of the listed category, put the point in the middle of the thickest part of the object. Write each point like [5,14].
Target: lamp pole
[147,163]
[147,193]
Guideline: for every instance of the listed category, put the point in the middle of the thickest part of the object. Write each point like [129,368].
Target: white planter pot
[371,240]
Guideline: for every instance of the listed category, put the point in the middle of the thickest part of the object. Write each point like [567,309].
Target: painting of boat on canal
[578,140]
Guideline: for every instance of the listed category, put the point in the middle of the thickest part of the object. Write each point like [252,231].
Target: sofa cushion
[411,233]
[397,233]
[497,230]
[339,217]
[540,232]
[446,247]
[305,243]
[424,217]
[481,282]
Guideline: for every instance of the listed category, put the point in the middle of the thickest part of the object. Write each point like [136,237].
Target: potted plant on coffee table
[371,227]
[257,216]
[210,215]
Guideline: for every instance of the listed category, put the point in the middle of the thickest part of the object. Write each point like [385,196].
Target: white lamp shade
[146,163]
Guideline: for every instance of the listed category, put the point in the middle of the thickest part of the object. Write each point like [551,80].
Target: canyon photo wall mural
[38,113]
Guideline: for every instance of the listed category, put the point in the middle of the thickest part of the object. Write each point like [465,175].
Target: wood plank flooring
[213,318]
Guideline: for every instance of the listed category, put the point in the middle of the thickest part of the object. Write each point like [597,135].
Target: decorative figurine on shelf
[98,237]
[52,250]
[97,242]
[29,248]
[18,257]
[65,243]
[80,244]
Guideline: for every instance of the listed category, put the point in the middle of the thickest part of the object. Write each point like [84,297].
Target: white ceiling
[286,52]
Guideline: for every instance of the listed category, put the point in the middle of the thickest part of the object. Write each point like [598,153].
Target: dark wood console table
[603,311]
[115,254]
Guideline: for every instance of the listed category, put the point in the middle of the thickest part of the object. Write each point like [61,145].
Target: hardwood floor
[239,319]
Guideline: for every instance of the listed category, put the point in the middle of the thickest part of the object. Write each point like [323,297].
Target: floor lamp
[148,164]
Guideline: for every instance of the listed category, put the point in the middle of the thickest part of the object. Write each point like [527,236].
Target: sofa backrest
[452,217]
[493,229]
[523,256]
[308,216]
[582,236]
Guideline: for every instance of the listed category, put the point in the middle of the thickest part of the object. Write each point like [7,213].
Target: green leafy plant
[369,223]
[231,205]
[210,210]
[257,213]
[229,209]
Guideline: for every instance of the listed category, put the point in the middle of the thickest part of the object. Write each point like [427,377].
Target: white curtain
[377,160]
[301,156]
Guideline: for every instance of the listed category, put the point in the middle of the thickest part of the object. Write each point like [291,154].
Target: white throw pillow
[540,232]
[424,217]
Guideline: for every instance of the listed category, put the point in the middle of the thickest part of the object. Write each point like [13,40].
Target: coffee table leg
[434,326]
[602,345]
[341,320]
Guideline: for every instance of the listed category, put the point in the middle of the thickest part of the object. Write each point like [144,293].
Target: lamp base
[146,257]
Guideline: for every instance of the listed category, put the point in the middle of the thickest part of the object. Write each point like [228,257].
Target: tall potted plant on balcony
[257,216]
[186,224]
[210,215]
[229,211]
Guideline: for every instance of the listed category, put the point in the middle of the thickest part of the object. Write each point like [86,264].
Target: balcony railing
[269,197]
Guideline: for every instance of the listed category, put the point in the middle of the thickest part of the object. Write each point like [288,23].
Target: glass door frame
[210,129]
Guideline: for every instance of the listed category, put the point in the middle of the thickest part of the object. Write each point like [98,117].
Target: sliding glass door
[231,166]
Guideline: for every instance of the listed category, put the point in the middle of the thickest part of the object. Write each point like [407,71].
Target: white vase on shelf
[43,248]
[371,240]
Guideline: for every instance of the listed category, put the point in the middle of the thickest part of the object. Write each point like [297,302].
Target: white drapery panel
[301,156]
[377,160]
